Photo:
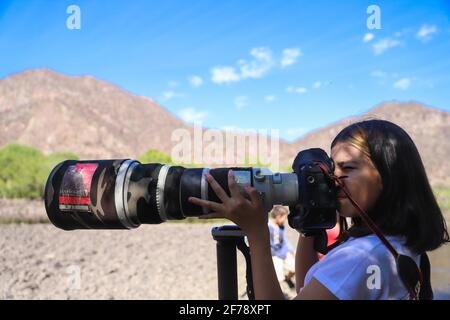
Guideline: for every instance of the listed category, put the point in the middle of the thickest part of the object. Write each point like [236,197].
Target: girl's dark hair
[406,205]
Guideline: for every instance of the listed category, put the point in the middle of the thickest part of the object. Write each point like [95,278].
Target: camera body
[122,194]
[316,207]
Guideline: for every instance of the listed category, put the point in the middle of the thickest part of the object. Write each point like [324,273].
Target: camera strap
[242,246]
[408,271]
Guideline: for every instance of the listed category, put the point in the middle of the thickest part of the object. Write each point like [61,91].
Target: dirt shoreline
[171,261]
[166,261]
[22,210]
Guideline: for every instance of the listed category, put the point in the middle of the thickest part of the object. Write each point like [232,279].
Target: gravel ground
[166,261]
[16,210]
[153,262]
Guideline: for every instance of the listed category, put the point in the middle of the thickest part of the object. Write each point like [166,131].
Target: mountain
[427,126]
[95,119]
[90,117]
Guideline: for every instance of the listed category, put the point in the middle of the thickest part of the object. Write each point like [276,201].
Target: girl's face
[363,181]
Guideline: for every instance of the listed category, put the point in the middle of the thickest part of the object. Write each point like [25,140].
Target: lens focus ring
[119,194]
[160,192]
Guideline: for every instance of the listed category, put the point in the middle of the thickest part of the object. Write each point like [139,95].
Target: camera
[123,194]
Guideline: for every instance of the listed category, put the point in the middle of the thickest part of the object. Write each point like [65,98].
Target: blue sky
[288,65]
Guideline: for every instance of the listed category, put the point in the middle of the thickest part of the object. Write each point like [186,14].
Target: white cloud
[195,81]
[224,75]
[167,95]
[290,56]
[425,32]
[240,102]
[191,115]
[261,53]
[368,37]
[296,90]
[295,132]
[402,84]
[173,84]
[378,74]
[270,98]
[384,44]
[259,66]
[231,128]
[317,85]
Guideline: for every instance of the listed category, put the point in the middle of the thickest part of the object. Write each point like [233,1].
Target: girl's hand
[248,214]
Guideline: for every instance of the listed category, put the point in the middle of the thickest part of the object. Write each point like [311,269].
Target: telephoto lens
[122,194]
[90,194]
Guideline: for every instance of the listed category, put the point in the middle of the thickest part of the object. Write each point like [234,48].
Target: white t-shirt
[362,269]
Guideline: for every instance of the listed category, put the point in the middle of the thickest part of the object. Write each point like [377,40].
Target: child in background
[282,250]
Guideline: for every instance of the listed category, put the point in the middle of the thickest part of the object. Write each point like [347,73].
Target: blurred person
[281,249]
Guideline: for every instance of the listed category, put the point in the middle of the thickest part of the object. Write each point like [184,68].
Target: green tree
[24,170]
[155,156]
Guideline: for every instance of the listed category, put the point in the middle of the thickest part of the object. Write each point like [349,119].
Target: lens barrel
[82,195]
[123,193]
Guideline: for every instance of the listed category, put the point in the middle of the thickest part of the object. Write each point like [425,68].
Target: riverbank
[166,261]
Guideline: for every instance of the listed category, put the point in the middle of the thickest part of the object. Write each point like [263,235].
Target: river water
[440,272]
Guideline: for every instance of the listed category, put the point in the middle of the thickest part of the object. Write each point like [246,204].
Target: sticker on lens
[76,187]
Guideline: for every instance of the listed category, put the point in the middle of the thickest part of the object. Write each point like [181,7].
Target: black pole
[227,270]
[228,239]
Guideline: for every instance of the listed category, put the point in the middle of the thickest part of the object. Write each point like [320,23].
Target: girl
[381,169]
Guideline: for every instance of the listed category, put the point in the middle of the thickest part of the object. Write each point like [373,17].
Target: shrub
[155,156]
[24,170]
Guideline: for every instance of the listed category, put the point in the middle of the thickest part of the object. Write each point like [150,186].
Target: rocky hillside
[427,126]
[95,119]
[84,115]
[92,118]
